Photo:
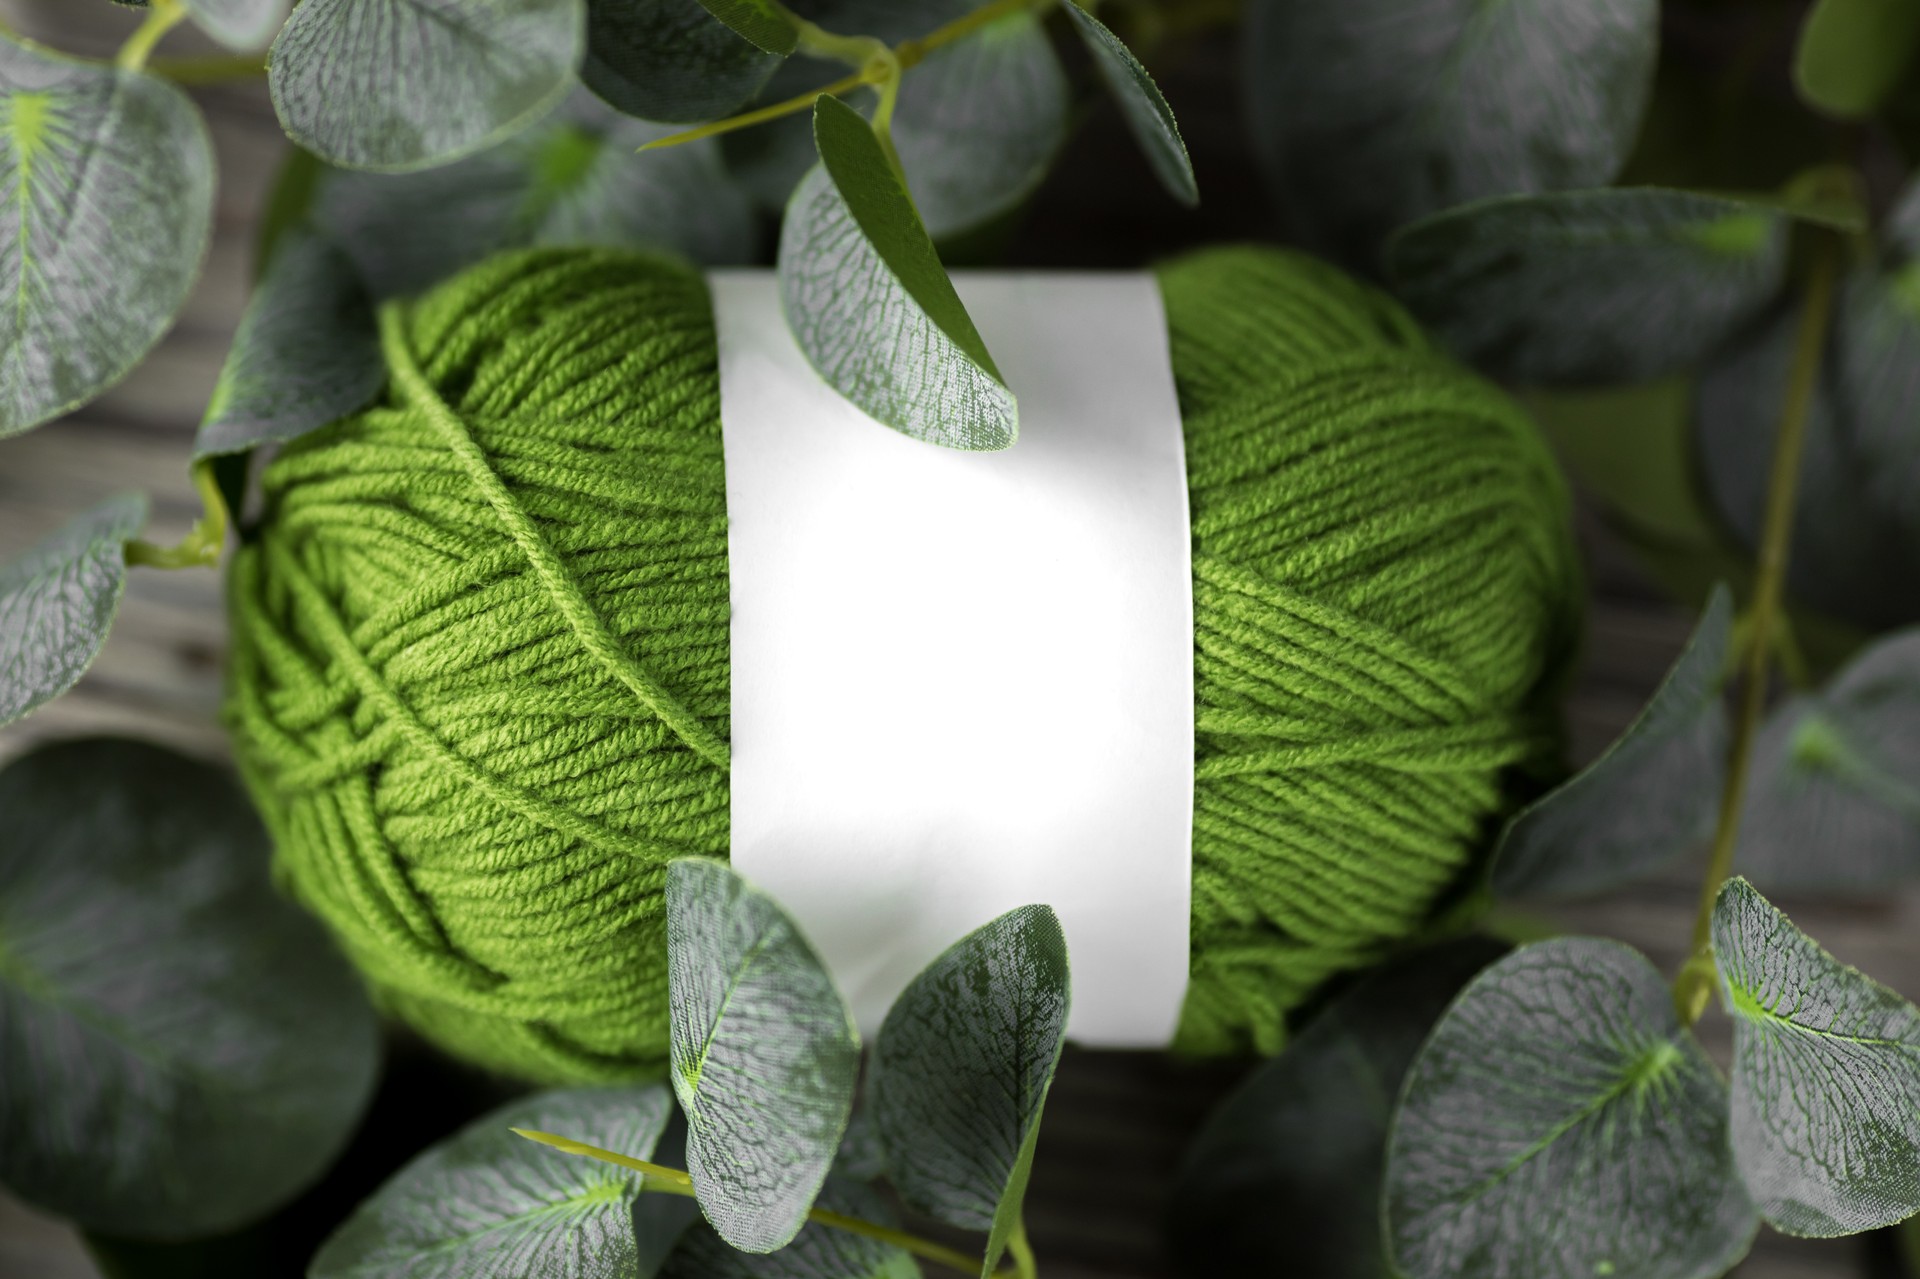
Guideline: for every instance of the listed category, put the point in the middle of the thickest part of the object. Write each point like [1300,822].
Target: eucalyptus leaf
[817,1252]
[404,84]
[760,23]
[1651,797]
[1833,794]
[961,1070]
[1619,285]
[57,603]
[870,304]
[1285,1177]
[240,24]
[1145,107]
[306,353]
[1826,1076]
[1852,53]
[1367,115]
[573,179]
[488,1202]
[109,181]
[181,1050]
[670,60]
[1560,1123]
[764,1055]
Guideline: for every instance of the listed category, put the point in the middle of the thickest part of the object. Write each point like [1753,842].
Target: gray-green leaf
[108,181]
[764,1055]
[1826,1076]
[57,603]
[1619,285]
[1367,114]
[404,84]
[872,307]
[1852,53]
[1145,107]
[488,1202]
[240,24]
[761,24]
[305,355]
[1560,1124]
[181,1050]
[1650,798]
[670,60]
[817,1252]
[961,1070]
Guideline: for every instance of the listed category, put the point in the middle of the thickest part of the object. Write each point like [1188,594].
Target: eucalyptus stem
[202,546]
[161,18]
[1694,984]
[673,1181]
[1024,1265]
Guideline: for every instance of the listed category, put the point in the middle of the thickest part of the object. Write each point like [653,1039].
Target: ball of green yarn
[479,678]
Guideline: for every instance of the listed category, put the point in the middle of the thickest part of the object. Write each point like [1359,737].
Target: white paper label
[963,682]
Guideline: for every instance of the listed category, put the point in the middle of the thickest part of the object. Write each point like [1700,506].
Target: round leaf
[670,60]
[181,1050]
[1366,115]
[404,84]
[1852,54]
[1653,795]
[1560,1124]
[57,603]
[240,24]
[764,1055]
[109,182]
[488,1202]
[1145,107]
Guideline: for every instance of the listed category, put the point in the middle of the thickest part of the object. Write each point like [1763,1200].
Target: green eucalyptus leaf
[57,603]
[405,84]
[817,1252]
[306,353]
[1826,1076]
[1651,797]
[572,179]
[759,23]
[670,60]
[181,1050]
[870,304]
[1145,107]
[1285,1177]
[1852,53]
[109,180]
[764,1055]
[240,24]
[1367,115]
[961,1070]
[489,1202]
[1619,285]
[1875,369]
[1560,1123]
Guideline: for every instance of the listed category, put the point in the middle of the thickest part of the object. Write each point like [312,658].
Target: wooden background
[1119,1122]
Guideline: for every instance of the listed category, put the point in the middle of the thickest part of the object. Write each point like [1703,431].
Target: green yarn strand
[479,680]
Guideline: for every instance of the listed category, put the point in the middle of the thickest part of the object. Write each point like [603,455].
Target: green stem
[202,546]
[673,1181]
[163,17]
[1024,1265]
[1694,984]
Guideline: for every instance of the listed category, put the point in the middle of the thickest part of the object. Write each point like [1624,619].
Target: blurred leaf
[1366,115]
[239,24]
[1826,1077]
[1145,108]
[1559,1124]
[893,21]
[872,307]
[306,353]
[670,60]
[961,1070]
[1652,796]
[764,1055]
[758,22]
[109,175]
[1600,286]
[489,1202]
[404,84]
[181,1050]
[1876,369]
[1852,53]
[817,1252]
[1285,1177]
[572,179]
[58,600]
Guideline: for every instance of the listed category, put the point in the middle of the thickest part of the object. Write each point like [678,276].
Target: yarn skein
[479,677]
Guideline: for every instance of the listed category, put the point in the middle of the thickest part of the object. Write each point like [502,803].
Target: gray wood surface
[1118,1122]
